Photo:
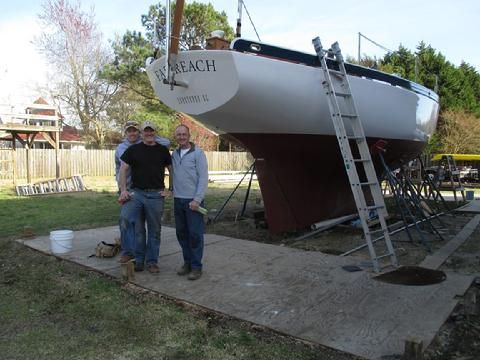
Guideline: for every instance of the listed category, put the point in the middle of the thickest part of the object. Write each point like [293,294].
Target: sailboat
[271,100]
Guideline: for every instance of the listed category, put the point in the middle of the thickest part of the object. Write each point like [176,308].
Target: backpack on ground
[107,250]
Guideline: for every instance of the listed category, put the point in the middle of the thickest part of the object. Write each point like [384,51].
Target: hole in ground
[412,275]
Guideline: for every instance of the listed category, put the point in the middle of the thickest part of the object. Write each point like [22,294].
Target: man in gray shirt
[190,182]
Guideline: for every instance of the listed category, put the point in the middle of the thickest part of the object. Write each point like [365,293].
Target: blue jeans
[189,227]
[145,249]
[140,232]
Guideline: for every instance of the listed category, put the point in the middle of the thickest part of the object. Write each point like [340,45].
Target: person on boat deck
[132,136]
[189,186]
[147,161]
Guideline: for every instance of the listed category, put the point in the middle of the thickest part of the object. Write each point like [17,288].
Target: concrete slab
[304,294]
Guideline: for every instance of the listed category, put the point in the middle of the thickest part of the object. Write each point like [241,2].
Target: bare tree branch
[73,46]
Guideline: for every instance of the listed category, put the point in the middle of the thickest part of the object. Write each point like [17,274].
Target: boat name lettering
[200,65]
[193,99]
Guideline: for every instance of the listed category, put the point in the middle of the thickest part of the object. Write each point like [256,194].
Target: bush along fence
[95,162]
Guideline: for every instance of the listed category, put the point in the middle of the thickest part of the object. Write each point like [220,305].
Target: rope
[251,21]
[375,43]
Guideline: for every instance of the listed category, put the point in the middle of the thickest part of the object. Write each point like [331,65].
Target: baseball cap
[130,124]
[148,124]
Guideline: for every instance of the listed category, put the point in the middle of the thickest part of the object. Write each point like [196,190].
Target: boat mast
[173,40]
[239,19]
[167,37]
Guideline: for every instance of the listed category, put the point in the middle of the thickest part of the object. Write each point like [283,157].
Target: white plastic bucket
[61,241]
[469,195]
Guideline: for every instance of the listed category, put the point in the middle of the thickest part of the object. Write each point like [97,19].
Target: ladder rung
[362,160]
[349,116]
[384,256]
[369,183]
[355,138]
[373,207]
[343,94]
[332,71]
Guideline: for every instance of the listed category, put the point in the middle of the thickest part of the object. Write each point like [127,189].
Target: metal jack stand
[430,190]
[250,171]
[410,205]
[407,201]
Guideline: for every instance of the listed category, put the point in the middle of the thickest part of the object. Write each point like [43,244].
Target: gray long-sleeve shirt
[190,174]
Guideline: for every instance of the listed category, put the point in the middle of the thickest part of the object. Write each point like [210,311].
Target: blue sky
[451,27]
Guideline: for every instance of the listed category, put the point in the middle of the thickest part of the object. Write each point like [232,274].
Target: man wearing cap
[132,136]
[146,161]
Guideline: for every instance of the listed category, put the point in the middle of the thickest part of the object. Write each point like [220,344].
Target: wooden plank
[435,260]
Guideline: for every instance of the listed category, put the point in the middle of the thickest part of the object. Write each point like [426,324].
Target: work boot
[195,274]
[139,266]
[153,268]
[126,258]
[184,270]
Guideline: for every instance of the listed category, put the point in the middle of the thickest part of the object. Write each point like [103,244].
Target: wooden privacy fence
[96,162]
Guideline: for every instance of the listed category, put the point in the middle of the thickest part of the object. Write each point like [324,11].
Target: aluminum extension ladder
[366,192]
[67,184]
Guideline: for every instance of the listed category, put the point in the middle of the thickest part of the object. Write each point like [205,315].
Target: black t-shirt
[147,163]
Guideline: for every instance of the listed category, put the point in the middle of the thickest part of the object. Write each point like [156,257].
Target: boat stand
[250,171]
[411,204]
[413,209]
[429,190]
[448,167]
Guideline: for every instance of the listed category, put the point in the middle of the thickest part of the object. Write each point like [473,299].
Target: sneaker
[153,268]
[195,274]
[184,270]
[139,266]
[126,258]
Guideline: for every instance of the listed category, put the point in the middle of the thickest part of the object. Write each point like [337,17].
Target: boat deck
[303,294]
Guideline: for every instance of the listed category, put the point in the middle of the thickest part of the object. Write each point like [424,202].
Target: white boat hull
[278,110]
[234,92]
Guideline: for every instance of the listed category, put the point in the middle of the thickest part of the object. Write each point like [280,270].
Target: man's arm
[170,177]
[202,183]
[117,167]
[124,195]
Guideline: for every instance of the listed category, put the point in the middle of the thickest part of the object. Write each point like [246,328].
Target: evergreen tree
[133,48]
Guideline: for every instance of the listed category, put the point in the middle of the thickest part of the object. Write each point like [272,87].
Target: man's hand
[194,205]
[124,197]
[166,193]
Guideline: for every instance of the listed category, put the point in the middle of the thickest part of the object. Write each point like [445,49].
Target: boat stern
[209,76]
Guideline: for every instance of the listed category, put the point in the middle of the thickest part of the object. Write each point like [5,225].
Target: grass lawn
[53,309]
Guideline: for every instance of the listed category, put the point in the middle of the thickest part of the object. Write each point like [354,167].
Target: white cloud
[22,68]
